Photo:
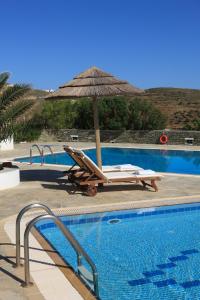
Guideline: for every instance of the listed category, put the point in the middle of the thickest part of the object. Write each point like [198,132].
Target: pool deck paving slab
[47,184]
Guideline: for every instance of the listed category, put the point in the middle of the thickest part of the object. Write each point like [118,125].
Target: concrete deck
[46,184]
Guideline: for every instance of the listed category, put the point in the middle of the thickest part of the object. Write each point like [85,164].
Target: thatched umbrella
[94,83]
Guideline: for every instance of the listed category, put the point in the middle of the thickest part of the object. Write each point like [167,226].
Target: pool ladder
[81,253]
[40,149]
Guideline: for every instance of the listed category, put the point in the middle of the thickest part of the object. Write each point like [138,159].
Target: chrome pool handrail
[69,236]
[41,152]
[18,221]
[50,149]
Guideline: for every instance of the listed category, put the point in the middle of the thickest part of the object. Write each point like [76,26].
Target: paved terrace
[47,184]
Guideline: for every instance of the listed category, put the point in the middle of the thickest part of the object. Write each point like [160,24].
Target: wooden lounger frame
[89,175]
[77,161]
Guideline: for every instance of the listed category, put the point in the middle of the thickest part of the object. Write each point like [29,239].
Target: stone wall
[176,137]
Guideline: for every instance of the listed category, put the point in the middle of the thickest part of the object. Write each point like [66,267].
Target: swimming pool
[149,254]
[175,161]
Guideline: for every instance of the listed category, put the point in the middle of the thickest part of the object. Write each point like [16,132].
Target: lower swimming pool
[175,161]
[149,254]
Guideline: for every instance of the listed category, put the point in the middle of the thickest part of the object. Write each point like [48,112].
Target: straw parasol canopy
[94,83]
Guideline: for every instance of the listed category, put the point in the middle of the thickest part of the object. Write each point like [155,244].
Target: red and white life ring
[163,139]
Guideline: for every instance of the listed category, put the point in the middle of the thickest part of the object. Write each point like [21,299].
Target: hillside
[36,94]
[181,106]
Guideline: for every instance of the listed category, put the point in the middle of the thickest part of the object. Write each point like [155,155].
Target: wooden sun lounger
[92,176]
[77,161]
[73,153]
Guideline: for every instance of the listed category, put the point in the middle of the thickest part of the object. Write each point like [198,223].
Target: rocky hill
[181,106]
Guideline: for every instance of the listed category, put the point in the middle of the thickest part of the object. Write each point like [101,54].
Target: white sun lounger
[72,152]
[95,176]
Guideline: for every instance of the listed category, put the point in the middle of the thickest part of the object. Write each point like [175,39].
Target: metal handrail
[18,221]
[41,152]
[69,236]
[50,149]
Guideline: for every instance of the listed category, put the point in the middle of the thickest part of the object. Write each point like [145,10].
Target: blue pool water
[175,161]
[150,254]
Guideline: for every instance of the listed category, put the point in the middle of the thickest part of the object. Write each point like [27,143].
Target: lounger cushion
[125,175]
[124,167]
[145,172]
[116,175]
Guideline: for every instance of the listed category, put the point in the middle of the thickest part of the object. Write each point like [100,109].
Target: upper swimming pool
[150,254]
[175,161]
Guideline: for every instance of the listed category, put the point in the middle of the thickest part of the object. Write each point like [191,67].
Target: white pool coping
[51,282]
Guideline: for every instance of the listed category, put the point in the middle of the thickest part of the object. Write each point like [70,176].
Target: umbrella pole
[97,132]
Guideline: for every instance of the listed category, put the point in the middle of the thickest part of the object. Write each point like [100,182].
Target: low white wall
[9,177]
[7,144]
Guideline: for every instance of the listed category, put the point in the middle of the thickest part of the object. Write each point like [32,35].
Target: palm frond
[14,107]
[3,79]
[6,131]
[15,111]
[13,93]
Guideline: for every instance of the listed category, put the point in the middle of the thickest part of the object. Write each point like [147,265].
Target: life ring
[163,139]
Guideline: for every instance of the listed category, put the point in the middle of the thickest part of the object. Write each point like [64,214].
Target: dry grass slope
[181,106]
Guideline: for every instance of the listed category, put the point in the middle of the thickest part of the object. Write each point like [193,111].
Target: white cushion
[118,175]
[145,172]
[125,167]
[135,175]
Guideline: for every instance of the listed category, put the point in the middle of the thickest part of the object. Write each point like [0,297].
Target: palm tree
[14,107]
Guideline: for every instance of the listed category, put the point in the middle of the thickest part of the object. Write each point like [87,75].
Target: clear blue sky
[150,43]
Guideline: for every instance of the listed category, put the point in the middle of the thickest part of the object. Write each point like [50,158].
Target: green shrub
[115,113]
[83,118]
[145,116]
[57,114]
[120,113]
[28,132]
